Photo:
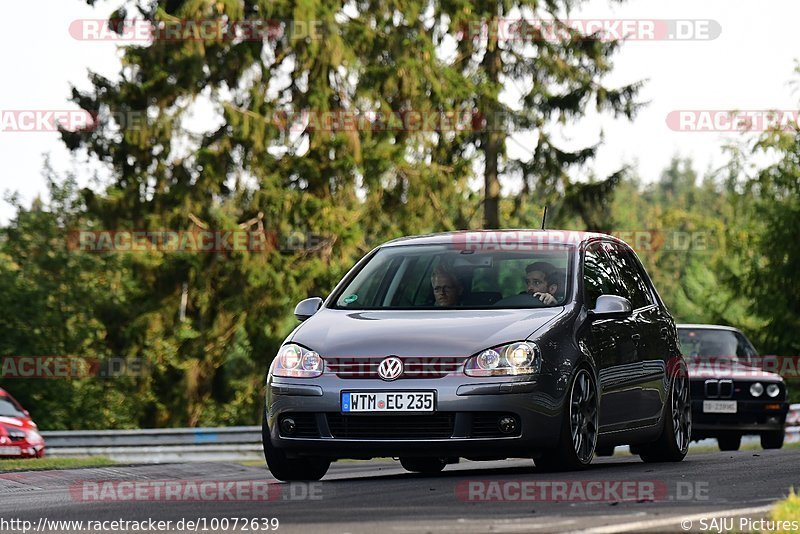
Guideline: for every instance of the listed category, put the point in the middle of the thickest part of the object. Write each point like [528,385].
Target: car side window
[598,275]
[744,349]
[631,279]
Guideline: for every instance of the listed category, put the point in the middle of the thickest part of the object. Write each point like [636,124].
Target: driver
[540,281]
[447,288]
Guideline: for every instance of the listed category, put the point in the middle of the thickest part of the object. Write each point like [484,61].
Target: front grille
[718,389]
[305,425]
[484,425]
[724,388]
[433,426]
[413,367]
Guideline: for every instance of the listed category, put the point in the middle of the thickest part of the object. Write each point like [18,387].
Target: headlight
[296,361]
[756,389]
[15,433]
[519,358]
[773,390]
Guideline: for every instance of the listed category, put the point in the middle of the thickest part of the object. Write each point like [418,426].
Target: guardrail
[226,444]
[159,445]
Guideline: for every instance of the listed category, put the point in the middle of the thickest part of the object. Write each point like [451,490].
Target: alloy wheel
[583,416]
[681,412]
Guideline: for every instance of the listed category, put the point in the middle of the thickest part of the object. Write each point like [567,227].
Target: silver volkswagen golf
[480,345]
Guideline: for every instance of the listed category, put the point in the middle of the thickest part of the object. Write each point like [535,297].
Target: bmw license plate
[388,401]
[718,406]
[10,451]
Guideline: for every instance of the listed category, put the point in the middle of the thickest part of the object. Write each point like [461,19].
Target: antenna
[544,217]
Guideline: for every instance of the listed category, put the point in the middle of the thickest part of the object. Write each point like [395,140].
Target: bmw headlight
[519,358]
[298,362]
[756,389]
[773,390]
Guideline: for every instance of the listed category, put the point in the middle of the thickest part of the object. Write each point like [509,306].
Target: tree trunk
[493,138]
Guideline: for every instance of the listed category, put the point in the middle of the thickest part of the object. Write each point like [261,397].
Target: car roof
[707,327]
[570,237]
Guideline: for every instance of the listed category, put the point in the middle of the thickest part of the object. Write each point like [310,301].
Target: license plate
[711,406]
[10,451]
[386,401]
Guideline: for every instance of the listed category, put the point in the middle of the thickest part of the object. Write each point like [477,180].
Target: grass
[787,510]
[38,464]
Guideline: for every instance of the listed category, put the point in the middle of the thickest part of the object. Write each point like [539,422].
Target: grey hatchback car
[482,345]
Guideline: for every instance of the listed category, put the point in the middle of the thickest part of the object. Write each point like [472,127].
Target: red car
[19,435]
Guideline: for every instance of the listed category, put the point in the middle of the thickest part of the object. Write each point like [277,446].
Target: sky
[747,66]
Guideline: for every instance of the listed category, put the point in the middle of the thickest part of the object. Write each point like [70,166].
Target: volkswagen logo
[390,368]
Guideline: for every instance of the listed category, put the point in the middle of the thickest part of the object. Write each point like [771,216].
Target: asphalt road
[615,494]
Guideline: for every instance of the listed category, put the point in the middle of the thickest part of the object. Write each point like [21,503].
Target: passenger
[447,288]
[538,281]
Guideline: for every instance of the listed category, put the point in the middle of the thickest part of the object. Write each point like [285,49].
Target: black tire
[676,432]
[729,443]
[579,427]
[604,451]
[772,440]
[427,466]
[289,469]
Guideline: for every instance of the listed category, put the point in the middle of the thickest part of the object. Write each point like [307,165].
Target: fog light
[288,426]
[507,424]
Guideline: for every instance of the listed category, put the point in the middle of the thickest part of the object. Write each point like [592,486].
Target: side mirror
[611,307]
[307,308]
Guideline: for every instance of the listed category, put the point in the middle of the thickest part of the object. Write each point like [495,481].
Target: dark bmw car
[732,395]
[480,345]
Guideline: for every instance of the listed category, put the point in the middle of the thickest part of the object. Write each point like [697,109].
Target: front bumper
[21,449]
[461,426]
[751,417]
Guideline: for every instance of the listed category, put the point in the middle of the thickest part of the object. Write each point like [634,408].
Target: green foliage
[325,196]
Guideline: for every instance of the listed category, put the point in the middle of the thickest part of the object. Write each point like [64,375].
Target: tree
[770,253]
[557,80]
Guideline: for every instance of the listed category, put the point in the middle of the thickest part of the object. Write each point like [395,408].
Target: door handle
[664,332]
[636,337]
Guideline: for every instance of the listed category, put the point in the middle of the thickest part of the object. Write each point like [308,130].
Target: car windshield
[446,277]
[709,344]
[9,408]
